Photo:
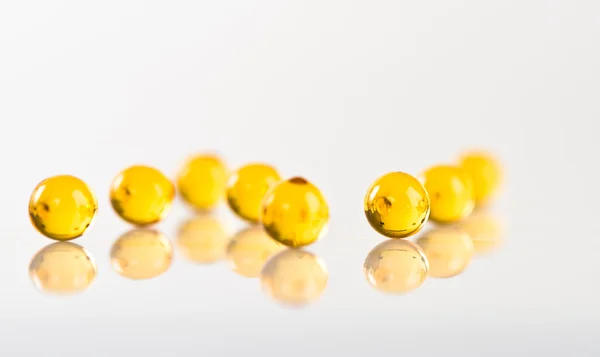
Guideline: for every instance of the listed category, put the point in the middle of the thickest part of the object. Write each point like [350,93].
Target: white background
[339,92]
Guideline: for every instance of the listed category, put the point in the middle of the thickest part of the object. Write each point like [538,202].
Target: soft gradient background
[339,92]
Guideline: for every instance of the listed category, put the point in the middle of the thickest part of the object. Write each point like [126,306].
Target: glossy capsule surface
[485,172]
[450,190]
[141,254]
[141,195]
[247,187]
[202,182]
[295,213]
[448,249]
[397,205]
[62,207]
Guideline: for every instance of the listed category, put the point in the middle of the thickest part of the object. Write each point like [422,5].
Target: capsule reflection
[141,254]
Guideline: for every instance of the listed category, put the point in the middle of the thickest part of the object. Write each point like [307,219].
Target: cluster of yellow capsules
[398,205]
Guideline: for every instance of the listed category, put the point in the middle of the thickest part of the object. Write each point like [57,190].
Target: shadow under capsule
[249,249]
[62,268]
[294,278]
[141,254]
[202,239]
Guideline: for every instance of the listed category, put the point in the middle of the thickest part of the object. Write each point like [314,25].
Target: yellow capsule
[247,188]
[486,231]
[141,195]
[203,239]
[62,207]
[294,277]
[249,249]
[141,254]
[295,213]
[62,268]
[485,172]
[397,205]
[450,192]
[202,182]
[396,266]
[448,249]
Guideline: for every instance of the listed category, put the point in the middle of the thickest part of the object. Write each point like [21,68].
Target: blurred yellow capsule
[396,266]
[62,268]
[294,277]
[203,239]
[62,207]
[450,192]
[486,231]
[485,172]
[202,181]
[141,195]
[247,187]
[397,205]
[295,213]
[249,249]
[448,249]
[141,254]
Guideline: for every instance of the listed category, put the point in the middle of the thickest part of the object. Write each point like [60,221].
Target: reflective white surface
[339,92]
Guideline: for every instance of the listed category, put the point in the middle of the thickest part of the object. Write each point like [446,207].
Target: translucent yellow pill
[202,181]
[448,249]
[203,239]
[141,195]
[247,188]
[249,249]
[141,254]
[396,266]
[62,268]
[450,190]
[62,207]
[486,173]
[294,277]
[295,213]
[485,229]
[397,205]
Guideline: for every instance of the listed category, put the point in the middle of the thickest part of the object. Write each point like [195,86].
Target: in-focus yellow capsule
[249,249]
[485,172]
[448,249]
[141,254]
[485,229]
[396,266]
[141,195]
[62,207]
[247,188]
[62,268]
[397,205]
[295,213]
[294,277]
[203,239]
[202,181]
[450,192]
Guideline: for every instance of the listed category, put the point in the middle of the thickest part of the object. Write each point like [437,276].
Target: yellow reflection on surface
[249,249]
[141,254]
[396,266]
[203,239]
[486,231]
[448,249]
[62,268]
[294,277]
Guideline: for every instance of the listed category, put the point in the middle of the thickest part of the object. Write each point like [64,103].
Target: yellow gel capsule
[202,181]
[397,205]
[294,277]
[485,172]
[62,268]
[396,266]
[203,239]
[62,207]
[486,231]
[141,254]
[141,195]
[247,188]
[249,249]
[448,249]
[295,213]
[450,192]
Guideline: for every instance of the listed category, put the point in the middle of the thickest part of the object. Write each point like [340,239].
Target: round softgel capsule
[247,187]
[62,207]
[486,173]
[295,213]
[202,181]
[397,205]
[450,190]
